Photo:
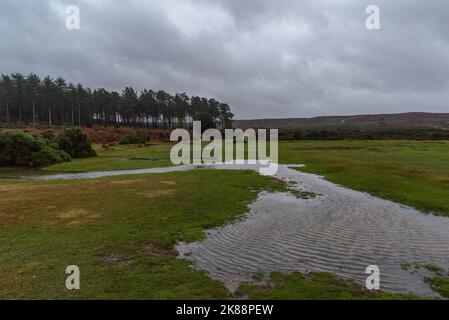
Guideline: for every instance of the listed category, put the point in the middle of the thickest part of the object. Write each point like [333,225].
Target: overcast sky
[265,58]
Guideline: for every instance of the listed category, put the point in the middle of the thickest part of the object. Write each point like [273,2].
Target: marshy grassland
[121,230]
[415,173]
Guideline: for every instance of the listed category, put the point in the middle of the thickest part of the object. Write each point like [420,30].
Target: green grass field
[121,230]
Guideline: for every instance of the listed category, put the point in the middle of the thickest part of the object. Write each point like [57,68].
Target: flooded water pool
[340,231]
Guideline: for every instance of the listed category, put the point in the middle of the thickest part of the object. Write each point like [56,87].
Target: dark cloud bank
[265,58]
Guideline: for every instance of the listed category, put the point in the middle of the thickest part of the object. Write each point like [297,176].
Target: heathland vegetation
[18,149]
[400,126]
[29,100]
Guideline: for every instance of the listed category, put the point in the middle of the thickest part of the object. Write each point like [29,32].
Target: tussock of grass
[300,194]
[439,281]
[440,284]
[433,268]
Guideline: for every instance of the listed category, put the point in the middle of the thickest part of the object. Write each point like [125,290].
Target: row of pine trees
[29,100]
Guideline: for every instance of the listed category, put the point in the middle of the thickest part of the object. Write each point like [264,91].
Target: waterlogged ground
[339,231]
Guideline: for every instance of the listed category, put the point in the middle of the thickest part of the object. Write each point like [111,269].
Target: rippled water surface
[340,231]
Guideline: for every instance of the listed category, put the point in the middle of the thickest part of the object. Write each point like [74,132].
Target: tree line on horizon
[29,100]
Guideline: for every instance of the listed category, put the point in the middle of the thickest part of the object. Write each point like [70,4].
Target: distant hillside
[361,122]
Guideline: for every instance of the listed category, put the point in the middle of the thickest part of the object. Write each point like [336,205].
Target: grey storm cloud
[265,58]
